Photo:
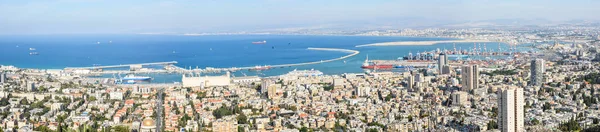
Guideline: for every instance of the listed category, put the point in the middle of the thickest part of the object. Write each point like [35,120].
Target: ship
[31,48]
[133,77]
[260,42]
[260,68]
[369,65]
[33,53]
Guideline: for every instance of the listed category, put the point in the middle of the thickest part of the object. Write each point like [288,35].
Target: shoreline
[405,43]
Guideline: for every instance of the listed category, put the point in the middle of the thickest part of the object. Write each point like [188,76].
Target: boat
[31,48]
[260,68]
[33,53]
[260,42]
[133,77]
[368,65]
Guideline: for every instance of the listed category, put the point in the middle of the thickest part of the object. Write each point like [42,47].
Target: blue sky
[182,16]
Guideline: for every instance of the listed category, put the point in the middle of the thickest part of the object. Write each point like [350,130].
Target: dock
[170,67]
[122,66]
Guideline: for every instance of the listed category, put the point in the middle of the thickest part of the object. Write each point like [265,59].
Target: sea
[218,51]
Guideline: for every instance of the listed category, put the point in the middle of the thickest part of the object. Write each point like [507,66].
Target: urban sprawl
[552,87]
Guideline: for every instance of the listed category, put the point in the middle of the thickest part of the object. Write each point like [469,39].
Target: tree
[546,106]
[492,125]
[222,111]
[328,87]
[24,102]
[303,129]
[242,119]
[4,102]
[535,121]
[120,129]
[388,97]
[571,125]
[92,98]
[239,129]
[373,130]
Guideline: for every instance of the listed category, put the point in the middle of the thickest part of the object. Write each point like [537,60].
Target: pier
[353,53]
[122,66]
[169,67]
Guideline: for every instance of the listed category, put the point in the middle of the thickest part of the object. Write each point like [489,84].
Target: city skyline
[299,66]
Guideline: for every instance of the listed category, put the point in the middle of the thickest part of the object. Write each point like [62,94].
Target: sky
[195,16]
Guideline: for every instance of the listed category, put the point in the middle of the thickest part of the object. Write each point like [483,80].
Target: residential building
[510,109]
[537,72]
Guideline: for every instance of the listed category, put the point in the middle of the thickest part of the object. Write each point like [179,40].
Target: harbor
[170,67]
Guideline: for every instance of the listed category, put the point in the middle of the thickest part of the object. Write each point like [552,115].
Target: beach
[399,43]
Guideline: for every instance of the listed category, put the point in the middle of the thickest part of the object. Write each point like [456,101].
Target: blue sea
[219,51]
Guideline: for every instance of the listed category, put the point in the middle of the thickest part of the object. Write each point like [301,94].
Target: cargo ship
[260,42]
[369,65]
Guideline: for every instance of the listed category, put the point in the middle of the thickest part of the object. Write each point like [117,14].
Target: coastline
[402,43]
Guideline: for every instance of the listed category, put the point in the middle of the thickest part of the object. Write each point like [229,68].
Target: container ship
[260,42]
[368,65]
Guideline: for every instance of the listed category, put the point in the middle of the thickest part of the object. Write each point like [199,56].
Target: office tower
[419,77]
[459,98]
[470,77]
[510,110]
[2,77]
[411,82]
[272,91]
[264,85]
[537,72]
[475,77]
[442,60]
[362,91]
[31,86]
[446,69]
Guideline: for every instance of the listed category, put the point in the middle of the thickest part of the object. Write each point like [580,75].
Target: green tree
[222,111]
[242,119]
[492,125]
[303,129]
[546,106]
[120,128]
[92,98]
[570,125]
[388,97]
[535,121]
